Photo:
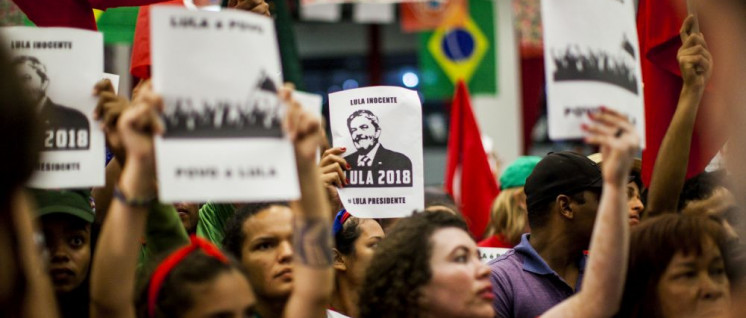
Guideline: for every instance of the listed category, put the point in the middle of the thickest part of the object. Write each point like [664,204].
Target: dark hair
[20,121]
[176,296]
[344,240]
[653,244]
[234,233]
[436,196]
[539,217]
[37,65]
[701,187]
[367,114]
[401,266]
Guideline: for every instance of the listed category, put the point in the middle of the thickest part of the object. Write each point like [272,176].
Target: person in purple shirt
[546,267]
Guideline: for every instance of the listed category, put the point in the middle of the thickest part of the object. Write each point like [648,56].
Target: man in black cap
[562,196]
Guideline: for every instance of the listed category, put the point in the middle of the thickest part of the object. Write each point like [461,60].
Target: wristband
[134,202]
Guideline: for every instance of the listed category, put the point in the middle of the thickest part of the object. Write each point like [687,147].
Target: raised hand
[108,109]
[619,143]
[694,57]
[303,128]
[333,167]
[256,6]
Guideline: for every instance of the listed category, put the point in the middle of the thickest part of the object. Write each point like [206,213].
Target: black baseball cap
[558,173]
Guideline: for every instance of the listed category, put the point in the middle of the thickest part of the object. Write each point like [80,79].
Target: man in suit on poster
[56,119]
[365,131]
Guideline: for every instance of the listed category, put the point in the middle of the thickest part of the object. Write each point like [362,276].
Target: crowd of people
[586,237]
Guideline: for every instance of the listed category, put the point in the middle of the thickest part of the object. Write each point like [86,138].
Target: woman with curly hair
[428,264]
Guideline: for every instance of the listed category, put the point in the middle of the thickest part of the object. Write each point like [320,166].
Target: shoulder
[506,264]
[392,154]
[67,112]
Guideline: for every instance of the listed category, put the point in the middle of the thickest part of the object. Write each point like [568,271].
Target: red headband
[345,216]
[165,267]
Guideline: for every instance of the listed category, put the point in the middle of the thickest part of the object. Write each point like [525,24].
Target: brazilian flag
[467,52]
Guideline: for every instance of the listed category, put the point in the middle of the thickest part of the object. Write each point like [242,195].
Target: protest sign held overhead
[219,73]
[58,67]
[381,128]
[588,66]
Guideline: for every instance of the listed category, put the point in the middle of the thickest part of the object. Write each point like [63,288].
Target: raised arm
[114,265]
[603,284]
[312,239]
[669,172]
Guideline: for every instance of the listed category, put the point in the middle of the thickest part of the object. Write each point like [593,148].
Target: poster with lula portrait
[381,129]
[57,68]
[219,74]
[592,59]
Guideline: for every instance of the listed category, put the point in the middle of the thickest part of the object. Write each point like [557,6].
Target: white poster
[367,12]
[381,127]
[58,68]
[592,59]
[219,73]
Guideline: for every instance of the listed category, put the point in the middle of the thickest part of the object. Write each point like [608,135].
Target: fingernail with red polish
[343,149]
[349,167]
[347,181]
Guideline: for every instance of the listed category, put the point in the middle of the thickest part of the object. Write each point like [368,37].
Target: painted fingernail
[584,126]
[343,149]
[349,167]
[603,108]
[347,181]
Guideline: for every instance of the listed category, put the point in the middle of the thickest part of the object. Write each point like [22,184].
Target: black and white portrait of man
[365,130]
[65,128]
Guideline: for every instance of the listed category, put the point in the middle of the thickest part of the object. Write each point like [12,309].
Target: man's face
[34,86]
[189,215]
[267,252]
[68,241]
[364,134]
[585,214]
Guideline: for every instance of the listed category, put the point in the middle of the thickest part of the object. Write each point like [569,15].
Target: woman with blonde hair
[508,218]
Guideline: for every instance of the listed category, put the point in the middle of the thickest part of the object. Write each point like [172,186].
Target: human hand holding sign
[137,126]
[695,60]
[108,110]
[333,166]
[256,6]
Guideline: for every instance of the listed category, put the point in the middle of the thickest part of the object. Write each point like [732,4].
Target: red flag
[71,13]
[658,24]
[468,175]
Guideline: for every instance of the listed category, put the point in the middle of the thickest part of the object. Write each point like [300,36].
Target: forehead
[445,240]
[360,120]
[370,228]
[63,221]
[273,221]
[709,252]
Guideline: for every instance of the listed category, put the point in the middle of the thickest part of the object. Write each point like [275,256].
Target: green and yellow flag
[462,52]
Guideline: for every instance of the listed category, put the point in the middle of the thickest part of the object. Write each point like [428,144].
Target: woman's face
[370,234]
[695,285]
[460,284]
[229,295]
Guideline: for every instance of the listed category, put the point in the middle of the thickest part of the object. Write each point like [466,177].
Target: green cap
[516,173]
[73,202]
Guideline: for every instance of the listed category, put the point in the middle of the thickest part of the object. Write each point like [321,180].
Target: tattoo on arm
[312,241]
